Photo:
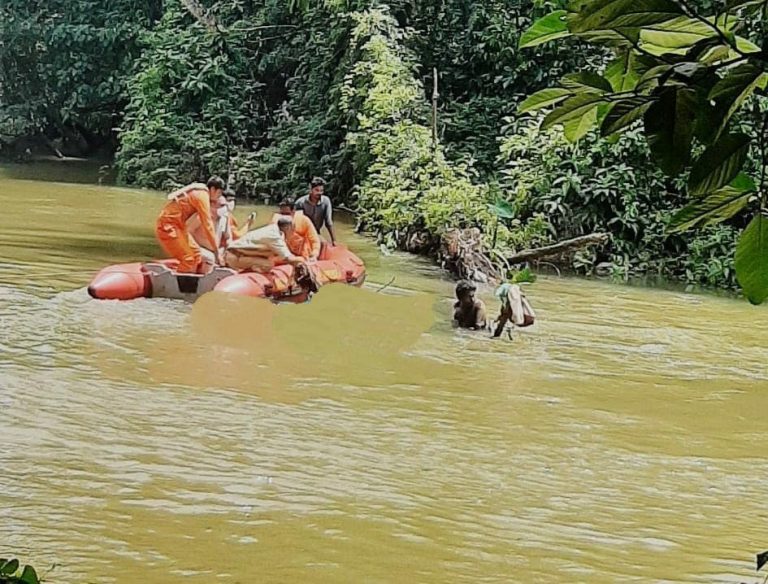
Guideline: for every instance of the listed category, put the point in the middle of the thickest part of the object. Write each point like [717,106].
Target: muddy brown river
[357,438]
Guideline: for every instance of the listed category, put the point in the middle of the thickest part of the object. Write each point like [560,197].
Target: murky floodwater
[357,438]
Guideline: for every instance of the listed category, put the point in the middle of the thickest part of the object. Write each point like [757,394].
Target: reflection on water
[357,438]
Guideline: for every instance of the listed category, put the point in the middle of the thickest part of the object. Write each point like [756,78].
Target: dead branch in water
[538,253]
[463,254]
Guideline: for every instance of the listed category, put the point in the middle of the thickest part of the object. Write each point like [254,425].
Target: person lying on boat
[468,312]
[171,226]
[264,248]
[304,241]
[317,206]
[515,308]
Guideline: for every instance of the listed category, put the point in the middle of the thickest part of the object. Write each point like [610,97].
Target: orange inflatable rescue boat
[159,280]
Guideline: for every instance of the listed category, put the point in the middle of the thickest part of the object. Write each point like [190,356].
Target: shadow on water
[68,170]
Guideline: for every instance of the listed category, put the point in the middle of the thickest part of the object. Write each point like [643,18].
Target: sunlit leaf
[550,27]
[624,72]
[716,207]
[576,128]
[752,260]
[678,33]
[719,164]
[587,80]
[571,108]
[544,98]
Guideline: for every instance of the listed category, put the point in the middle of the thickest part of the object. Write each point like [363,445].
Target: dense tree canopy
[270,93]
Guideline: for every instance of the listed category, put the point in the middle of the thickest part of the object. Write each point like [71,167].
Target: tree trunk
[435,96]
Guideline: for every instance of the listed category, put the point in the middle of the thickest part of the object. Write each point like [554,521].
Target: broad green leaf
[624,113]
[576,128]
[624,72]
[550,27]
[652,78]
[678,33]
[719,164]
[29,576]
[589,15]
[572,108]
[752,260]
[732,90]
[715,208]
[544,98]
[669,128]
[624,38]
[716,54]
[587,80]
[746,46]
[9,567]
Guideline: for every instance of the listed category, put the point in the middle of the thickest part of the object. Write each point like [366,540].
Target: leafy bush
[596,185]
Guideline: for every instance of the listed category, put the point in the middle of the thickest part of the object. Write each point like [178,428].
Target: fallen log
[528,255]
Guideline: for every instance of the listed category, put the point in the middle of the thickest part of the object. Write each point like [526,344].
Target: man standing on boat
[171,228]
[318,208]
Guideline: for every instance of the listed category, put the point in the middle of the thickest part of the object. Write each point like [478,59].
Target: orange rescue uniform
[305,241]
[171,227]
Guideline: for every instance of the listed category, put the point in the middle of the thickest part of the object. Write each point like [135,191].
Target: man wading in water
[470,312]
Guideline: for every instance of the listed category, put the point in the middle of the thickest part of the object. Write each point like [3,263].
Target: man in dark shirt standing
[318,207]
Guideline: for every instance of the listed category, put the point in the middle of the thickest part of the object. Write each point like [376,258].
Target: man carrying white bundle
[515,308]
[264,248]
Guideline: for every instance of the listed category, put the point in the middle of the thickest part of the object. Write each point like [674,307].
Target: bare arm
[480,319]
[329,222]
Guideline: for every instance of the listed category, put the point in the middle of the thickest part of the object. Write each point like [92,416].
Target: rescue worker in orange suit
[304,241]
[171,228]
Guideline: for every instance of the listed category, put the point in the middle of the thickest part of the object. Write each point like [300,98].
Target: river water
[358,438]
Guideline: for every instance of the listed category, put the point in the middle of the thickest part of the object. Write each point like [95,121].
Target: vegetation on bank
[695,76]
[270,93]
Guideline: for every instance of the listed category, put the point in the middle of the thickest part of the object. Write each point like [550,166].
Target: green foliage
[193,101]
[64,65]
[407,188]
[597,186]
[688,76]
[752,260]
[524,276]
[12,573]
